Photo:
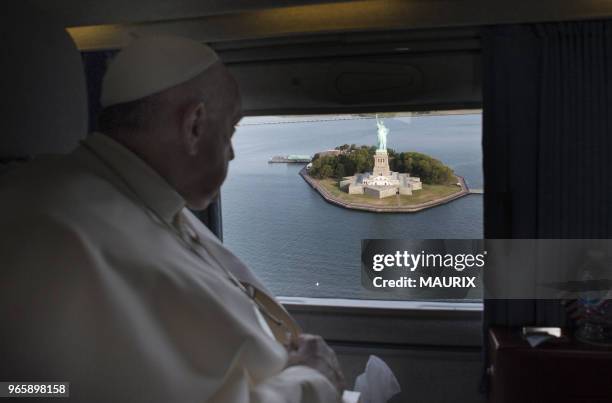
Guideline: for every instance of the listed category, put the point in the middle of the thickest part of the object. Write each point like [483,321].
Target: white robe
[98,290]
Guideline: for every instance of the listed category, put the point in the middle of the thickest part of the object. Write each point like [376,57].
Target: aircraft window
[301,245]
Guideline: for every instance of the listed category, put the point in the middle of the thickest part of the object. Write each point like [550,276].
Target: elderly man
[111,284]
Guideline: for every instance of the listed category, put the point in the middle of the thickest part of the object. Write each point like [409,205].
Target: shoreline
[327,196]
[288,119]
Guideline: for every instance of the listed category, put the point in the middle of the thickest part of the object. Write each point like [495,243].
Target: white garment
[97,290]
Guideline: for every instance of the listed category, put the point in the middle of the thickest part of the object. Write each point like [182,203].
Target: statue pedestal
[381,164]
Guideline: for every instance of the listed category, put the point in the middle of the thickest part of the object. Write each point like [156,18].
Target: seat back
[43,107]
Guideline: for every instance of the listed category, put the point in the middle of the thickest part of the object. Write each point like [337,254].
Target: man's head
[175,105]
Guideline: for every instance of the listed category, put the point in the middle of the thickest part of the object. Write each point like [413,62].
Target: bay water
[300,245]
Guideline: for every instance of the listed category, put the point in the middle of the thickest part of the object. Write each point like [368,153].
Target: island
[378,179]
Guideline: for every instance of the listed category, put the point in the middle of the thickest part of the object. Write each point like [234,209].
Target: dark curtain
[547,146]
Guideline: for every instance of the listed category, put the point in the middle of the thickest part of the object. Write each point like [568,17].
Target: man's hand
[312,351]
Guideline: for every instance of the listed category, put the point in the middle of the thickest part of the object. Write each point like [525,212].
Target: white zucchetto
[152,64]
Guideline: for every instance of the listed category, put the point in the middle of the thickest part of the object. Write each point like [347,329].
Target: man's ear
[194,121]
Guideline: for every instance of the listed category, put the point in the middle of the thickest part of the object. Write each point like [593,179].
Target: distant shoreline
[330,198]
[271,120]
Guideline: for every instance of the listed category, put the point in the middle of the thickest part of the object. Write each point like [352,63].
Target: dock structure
[476,191]
[291,159]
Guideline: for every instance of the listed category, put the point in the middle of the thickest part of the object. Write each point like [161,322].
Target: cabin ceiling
[96,24]
[315,56]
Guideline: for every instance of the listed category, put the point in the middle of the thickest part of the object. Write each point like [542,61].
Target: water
[294,240]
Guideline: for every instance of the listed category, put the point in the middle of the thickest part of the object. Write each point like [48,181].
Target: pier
[290,159]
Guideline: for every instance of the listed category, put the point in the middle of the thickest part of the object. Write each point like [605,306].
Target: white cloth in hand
[377,384]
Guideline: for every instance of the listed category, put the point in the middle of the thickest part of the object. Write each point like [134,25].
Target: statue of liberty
[382,134]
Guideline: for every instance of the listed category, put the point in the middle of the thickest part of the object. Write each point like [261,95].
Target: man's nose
[231,152]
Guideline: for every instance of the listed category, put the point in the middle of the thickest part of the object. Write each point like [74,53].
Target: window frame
[380,322]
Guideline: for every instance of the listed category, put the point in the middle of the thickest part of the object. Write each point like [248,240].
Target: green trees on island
[354,159]
[430,170]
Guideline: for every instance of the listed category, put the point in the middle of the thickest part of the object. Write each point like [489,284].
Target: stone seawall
[383,209]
